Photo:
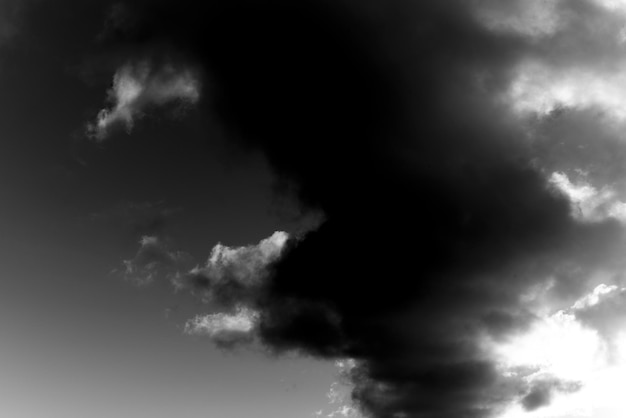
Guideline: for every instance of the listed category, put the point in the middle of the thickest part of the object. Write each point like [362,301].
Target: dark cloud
[391,119]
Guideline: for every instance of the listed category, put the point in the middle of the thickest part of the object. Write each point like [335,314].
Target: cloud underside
[467,159]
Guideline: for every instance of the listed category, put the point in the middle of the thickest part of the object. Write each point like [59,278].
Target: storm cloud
[419,130]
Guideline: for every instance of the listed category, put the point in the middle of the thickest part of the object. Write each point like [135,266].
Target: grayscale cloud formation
[468,161]
[225,329]
[139,86]
[231,273]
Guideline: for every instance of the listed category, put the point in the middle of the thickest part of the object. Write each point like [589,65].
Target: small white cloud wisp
[137,87]
[538,88]
[338,395]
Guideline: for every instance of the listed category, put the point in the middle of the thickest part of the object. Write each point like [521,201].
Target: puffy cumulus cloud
[572,361]
[244,264]
[225,329]
[233,275]
[153,259]
[232,282]
[139,86]
[447,264]
[575,59]
[541,89]
[588,203]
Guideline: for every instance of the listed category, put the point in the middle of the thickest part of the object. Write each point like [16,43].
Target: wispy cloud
[138,87]
[574,59]
[572,361]
[424,150]
[540,89]
[153,259]
[232,280]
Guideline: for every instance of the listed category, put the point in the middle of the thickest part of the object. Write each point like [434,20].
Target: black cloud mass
[386,116]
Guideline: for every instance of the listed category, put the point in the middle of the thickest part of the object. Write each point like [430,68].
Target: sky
[341,209]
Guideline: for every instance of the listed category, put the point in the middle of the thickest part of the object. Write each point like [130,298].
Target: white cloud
[565,346]
[245,263]
[596,296]
[245,267]
[225,328]
[139,86]
[231,280]
[573,54]
[589,204]
[540,89]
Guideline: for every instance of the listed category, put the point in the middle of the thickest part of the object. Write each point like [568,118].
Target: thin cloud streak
[153,260]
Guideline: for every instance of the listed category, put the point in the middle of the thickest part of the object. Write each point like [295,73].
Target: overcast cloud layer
[463,155]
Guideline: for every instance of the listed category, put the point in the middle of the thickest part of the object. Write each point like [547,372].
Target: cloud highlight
[138,87]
